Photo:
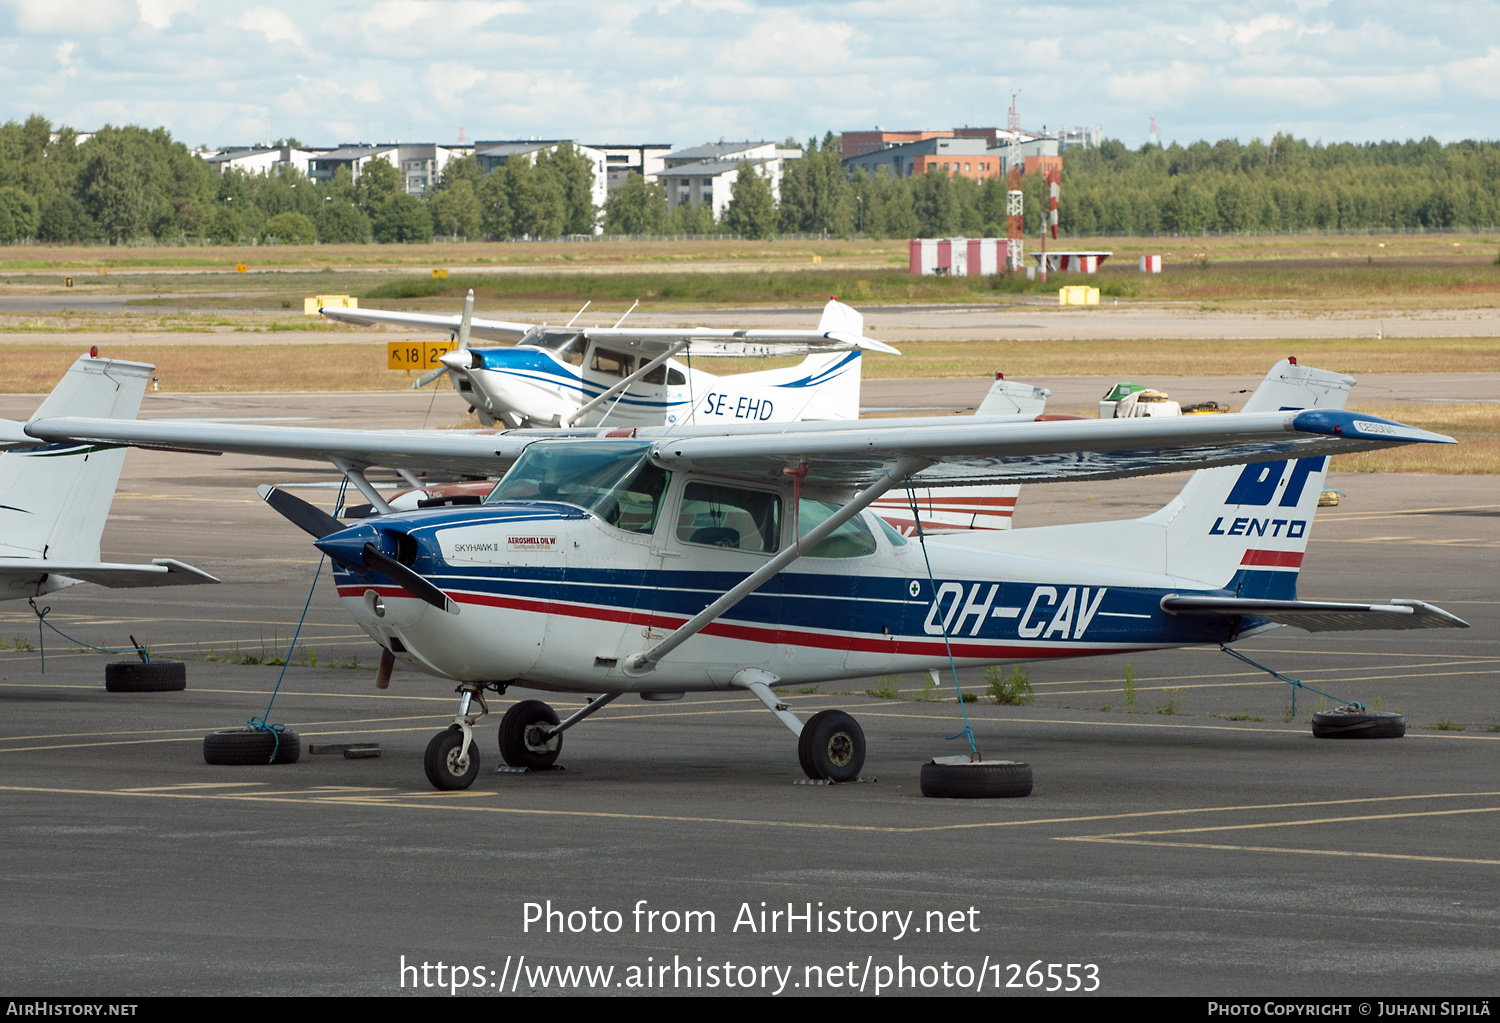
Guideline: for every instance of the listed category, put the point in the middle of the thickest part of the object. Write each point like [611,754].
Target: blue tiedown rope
[261,724]
[41,643]
[1295,683]
[911,497]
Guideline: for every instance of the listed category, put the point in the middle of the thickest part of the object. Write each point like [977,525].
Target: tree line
[1287,184]
[126,184]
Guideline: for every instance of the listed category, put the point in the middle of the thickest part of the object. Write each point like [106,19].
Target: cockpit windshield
[615,482]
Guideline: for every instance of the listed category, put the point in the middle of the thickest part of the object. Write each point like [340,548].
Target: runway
[1192,838]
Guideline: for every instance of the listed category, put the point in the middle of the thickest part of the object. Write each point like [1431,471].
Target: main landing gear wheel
[145,677]
[251,746]
[447,766]
[522,731]
[1353,723]
[997,779]
[832,746]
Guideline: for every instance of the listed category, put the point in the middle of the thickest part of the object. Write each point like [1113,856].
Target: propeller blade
[428,377]
[408,580]
[463,324]
[299,513]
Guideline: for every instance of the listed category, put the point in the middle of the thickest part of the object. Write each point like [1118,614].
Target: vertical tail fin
[1246,526]
[54,498]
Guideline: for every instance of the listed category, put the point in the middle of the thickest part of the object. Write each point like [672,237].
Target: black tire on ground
[832,746]
[1358,724]
[999,779]
[145,677]
[442,761]
[251,746]
[516,748]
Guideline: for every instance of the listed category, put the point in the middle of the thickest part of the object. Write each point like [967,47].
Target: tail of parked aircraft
[950,509]
[1240,527]
[54,498]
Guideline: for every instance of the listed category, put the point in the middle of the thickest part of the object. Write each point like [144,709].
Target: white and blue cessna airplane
[623,376]
[659,562]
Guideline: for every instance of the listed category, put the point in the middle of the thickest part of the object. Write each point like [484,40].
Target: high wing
[859,453]
[842,454]
[489,330]
[841,328]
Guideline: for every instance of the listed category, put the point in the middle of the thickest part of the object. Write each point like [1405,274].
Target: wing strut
[646,661]
[364,486]
[594,403]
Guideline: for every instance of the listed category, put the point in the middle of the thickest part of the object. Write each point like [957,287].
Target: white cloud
[159,13]
[446,80]
[65,57]
[84,17]
[276,26]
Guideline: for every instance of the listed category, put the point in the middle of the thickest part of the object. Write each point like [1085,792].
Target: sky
[684,72]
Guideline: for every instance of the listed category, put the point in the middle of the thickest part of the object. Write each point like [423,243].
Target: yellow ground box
[1078,294]
[310,306]
[416,354]
[241,268]
[440,275]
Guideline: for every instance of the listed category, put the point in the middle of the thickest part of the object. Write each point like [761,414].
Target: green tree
[574,176]
[225,226]
[402,218]
[751,212]
[495,219]
[465,168]
[341,223]
[816,196]
[455,210]
[378,184]
[25,214]
[636,206]
[289,228]
[65,220]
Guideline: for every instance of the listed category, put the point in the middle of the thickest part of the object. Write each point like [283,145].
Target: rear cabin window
[615,364]
[718,516]
[662,375]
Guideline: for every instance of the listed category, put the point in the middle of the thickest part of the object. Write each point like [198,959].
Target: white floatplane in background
[659,562]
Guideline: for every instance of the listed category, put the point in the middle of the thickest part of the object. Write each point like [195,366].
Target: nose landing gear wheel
[521,736]
[832,746]
[447,767]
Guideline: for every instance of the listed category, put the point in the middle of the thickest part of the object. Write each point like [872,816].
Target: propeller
[463,343]
[299,513]
[408,580]
[321,525]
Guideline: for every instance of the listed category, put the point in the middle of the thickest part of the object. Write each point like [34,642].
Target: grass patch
[1014,690]
[1173,703]
[887,687]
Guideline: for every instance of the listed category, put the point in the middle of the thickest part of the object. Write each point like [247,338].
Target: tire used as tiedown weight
[237,746]
[145,676]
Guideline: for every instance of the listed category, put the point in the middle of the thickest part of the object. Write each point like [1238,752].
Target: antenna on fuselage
[628,312]
[578,313]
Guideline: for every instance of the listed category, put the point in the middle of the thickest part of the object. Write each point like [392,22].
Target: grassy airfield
[195,291]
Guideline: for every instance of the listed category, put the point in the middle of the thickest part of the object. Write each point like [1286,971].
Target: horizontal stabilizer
[24,573]
[1317,615]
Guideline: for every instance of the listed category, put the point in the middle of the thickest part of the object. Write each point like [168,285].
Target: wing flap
[1317,615]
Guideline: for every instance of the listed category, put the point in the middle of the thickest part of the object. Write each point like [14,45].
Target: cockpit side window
[617,483]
